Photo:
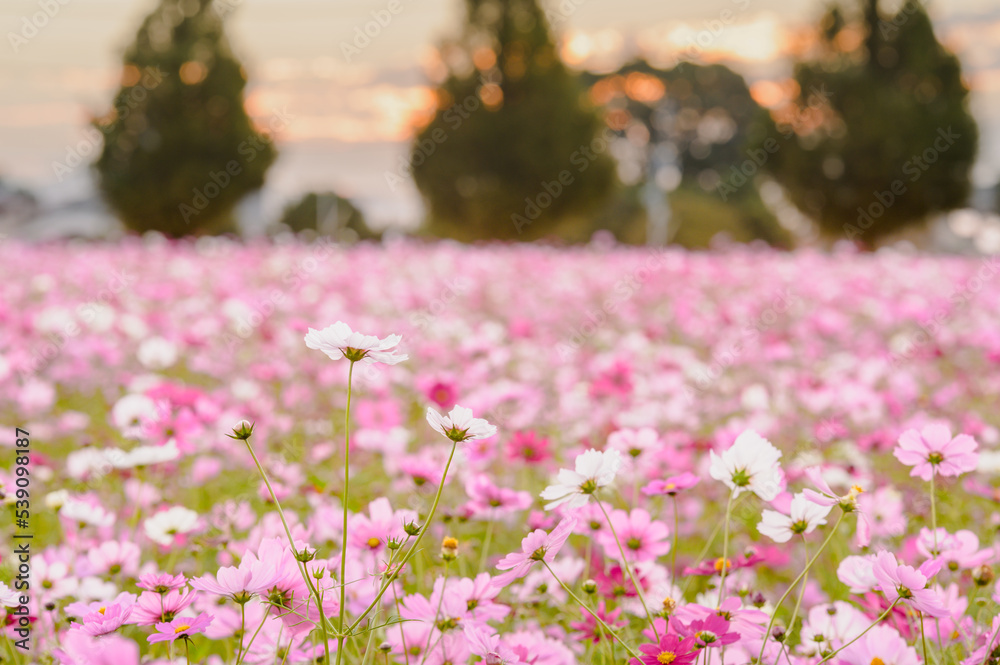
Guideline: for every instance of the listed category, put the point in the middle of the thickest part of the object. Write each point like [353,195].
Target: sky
[345,114]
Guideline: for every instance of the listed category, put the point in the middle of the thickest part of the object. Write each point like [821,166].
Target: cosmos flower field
[592,455]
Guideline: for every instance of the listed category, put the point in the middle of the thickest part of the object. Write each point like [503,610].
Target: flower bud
[983,575]
[305,555]
[394,543]
[242,431]
[669,605]
[778,633]
[385,647]
[756,598]
[590,587]
[411,528]
[449,549]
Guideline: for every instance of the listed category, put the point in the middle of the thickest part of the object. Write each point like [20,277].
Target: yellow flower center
[373,542]
[877,661]
[101,610]
[181,628]
[720,562]
[670,486]
[666,657]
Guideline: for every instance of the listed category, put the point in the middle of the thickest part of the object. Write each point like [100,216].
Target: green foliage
[698,217]
[328,214]
[511,119]
[892,140]
[179,149]
[704,117]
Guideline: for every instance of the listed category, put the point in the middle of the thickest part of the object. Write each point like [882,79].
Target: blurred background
[787,122]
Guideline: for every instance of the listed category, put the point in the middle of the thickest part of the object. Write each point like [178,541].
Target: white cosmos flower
[750,464]
[804,516]
[146,455]
[339,341]
[8,597]
[163,526]
[594,470]
[459,425]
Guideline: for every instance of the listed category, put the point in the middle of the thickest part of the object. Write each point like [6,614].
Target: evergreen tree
[179,149]
[327,214]
[894,141]
[512,151]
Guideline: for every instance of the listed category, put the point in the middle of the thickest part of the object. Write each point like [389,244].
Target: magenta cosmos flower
[670,650]
[536,546]
[105,620]
[180,627]
[898,581]
[339,341]
[932,450]
[710,632]
[671,486]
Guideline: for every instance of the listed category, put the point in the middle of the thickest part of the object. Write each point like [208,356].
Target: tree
[685,137]
[891,139]
[179,149]
[512,151]
[327,214]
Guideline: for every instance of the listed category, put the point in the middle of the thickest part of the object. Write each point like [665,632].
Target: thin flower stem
[187,650]
[402,633]
[795,582]
[923,639]
[291,541]
[673,549]
[628,569]
[795,613]
[413,548]
[725,551]
[484,555]
[243,628]
[874,623]
[590,611]
[934,515]
[343,548]
[437,613]
[989,646]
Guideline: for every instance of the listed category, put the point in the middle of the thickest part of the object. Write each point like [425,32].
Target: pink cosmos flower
[105,620]
[588,630]
[488,647]
[489,502]
[670,649]
[933,450]
[906,583]
[239,583]
[528,446]
[642,538]
[459,425]
[339,341]
[748,623]
[161,582]
[708,633]
[152,608]
[956,551]
[372,532]
[78,648]
[536,546]
[672,485]
[180,627]
[881,644]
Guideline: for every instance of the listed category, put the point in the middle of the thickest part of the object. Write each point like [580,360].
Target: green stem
[413,548]
[628,569]
[343,549]
[673,549]
[774,615]
[591,612]
[725,551]
[934,515]
[486,546]
[313,591]
[437,613]
[267,611]
[875,623]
